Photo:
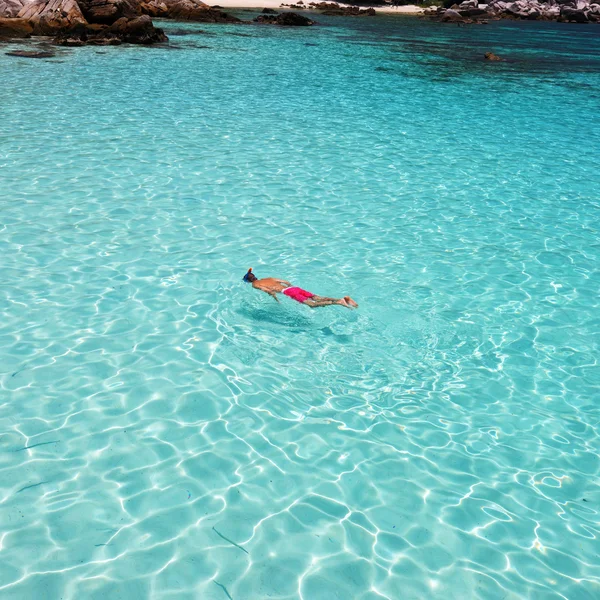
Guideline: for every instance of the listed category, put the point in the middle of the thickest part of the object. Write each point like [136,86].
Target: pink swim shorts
[297,294]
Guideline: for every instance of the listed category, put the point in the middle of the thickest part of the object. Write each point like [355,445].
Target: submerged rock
[491,56]
[287,19]
[32,53]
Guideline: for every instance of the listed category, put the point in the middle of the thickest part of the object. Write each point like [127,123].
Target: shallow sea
[169,433]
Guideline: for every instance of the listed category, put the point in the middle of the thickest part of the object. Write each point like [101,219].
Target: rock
[491,56]
[551,12]
[287,19]
[32,53]
[351,11]
[137,31]
[332,8]
[269,19]
[15,28]
[9,9]
[472,12]
[123,31]
[182,31]
[108,11]
[452,16]
[574,15]
[71,42]
[269,11]
[50,16]
[578,11]
[186,10]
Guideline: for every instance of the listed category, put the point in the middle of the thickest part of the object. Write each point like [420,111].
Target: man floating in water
[274,286]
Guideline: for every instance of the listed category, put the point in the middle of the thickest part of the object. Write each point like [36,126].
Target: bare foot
[350,303]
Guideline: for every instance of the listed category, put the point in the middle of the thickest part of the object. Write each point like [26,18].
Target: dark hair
[249,277]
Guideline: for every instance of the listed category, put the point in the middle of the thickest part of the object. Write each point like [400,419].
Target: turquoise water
[169,433]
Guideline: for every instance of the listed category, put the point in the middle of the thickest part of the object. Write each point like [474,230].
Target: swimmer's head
[249,277]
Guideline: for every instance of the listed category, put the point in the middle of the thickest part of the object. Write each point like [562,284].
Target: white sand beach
[410,9]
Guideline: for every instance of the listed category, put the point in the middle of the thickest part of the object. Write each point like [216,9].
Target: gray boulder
[550,13]
[9,9]
[574,15]
[452,15]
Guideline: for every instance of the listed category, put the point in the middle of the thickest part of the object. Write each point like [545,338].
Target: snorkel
[249,277]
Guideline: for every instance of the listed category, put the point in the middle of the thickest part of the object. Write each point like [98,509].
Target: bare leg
[317,301]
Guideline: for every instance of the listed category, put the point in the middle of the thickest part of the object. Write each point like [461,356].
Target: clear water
[169,433]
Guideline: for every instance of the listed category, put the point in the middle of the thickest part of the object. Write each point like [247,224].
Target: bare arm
[265,287]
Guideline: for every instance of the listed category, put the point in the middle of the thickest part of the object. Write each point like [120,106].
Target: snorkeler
[274,286]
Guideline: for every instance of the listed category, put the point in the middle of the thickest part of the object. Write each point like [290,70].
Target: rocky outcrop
[287,19]
[572,11]
[73,20]
[186,10]
[123,31]
[108,11]
[15,28]
[333,8]
[49,16]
